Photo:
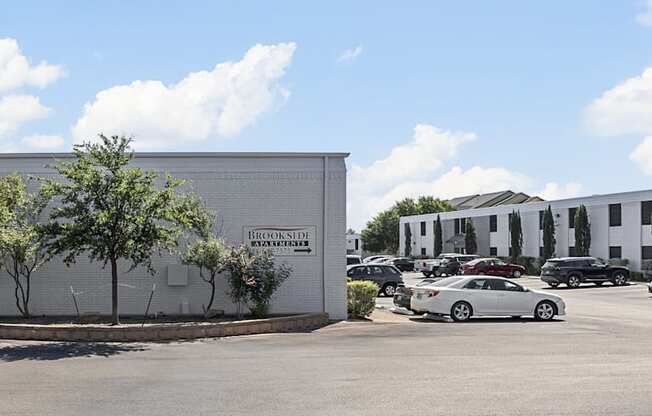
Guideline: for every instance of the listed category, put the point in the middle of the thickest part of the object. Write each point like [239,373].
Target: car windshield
[499,262]
[551,263]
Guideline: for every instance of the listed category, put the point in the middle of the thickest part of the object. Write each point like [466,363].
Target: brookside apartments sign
[281,240]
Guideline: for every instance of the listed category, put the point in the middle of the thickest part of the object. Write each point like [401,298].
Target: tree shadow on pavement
[60,350]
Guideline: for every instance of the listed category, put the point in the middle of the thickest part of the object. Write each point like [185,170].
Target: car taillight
[433,293]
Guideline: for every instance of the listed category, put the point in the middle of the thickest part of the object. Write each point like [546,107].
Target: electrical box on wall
[177,275]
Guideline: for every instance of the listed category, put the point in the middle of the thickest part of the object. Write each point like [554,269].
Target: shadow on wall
[60,350]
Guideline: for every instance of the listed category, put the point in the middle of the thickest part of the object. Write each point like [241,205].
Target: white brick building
[353,244]
[620,227]
[246,189]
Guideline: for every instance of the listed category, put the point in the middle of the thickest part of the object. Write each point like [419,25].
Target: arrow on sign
[303,250]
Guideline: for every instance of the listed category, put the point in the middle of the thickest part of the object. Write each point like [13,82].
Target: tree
[582,232]
[266,279]
[210,256]
[439,241]
[382,231]
[408,240]
[548,234]
[239,265]
[23,242]
[516,236]
[114,212]
[470,241]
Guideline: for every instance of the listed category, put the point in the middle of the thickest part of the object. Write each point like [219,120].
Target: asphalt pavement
[595,361]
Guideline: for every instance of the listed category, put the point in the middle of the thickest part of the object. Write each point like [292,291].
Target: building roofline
[166,155]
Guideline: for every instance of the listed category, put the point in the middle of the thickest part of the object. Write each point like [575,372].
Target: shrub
[266,279]
[618,262]
[361,298]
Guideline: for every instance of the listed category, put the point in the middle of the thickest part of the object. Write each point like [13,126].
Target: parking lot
[595,361]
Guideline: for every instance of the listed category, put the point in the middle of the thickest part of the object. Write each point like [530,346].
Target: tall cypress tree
[408,240]
[439,242]
[582,232]
[548,234]
[470,243]
[516,236]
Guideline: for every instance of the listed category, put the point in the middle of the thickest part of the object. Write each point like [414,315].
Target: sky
[442,98]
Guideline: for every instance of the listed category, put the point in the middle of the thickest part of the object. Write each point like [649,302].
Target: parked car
[425,266]
[404,293]
[404,264]
[353,259]
[387,277]
[486,296]
[492,267]
[371,259]
[450,265]
[573,271]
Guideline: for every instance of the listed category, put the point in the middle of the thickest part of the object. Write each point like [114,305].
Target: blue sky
[500,94]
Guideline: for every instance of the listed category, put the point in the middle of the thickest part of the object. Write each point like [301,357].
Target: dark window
[423,251]
[390,270]
[646,212]
[423,228]
[646,252]
[509,222]
[477,284]
[457,226]
[357,244]
[571,251]
[493,251]
[510,252]
[493,223]
[540,251]
[571,217]
[615,252]
[541,220]
[615,216]
[463,225]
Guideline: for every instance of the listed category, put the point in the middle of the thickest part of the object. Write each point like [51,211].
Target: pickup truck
[445,264]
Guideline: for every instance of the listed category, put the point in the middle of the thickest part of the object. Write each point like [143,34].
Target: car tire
[437,273]
[573,281]
[516,274]
[545,311]
[619,279]
[461,311]
[553,284]
[426,274]
[389,289]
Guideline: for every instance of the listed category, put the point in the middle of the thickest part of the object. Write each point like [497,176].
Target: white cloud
[18,109]
[16,71]
[624,109]
[553,190]
[204,104]
[642,155]
[43,142]
[350,55]
[645,17]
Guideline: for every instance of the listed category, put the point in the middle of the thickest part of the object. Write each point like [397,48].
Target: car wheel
[437,273]
[461,311]
[389,289]
[544,311]
[619,279]
[427,274]
[516,274]
[573,281]
[553,284]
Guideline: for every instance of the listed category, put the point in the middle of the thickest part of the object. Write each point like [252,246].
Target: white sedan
[464,297]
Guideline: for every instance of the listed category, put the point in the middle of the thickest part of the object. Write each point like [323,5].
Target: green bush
[618,262]
[638,277]
[361,298]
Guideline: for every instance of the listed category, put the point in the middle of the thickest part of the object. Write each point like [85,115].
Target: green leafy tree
[239,265]
[582,232]
[210,255]
[111,211]
[439,238]
[516,236]
[408,240]
[382,231]
[23,242]
[548,234]
[266,279]
[470,240]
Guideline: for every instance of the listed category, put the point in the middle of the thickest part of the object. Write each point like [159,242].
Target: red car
[493,267]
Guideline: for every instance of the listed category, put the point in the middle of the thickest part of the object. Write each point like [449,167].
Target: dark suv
[572,271]
[388,278]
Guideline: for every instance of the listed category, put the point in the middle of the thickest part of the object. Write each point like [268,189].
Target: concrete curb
[161,332]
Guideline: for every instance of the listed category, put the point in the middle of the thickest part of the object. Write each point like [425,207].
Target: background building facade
[246,190]
[620,227]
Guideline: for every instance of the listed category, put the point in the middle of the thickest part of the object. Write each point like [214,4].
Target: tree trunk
[210,302]
[114,293]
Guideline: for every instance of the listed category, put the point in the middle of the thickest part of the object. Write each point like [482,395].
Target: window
[357,244]
[646,252]
[493,223]
[615,252]
[457,226]
[493,251]
[541,220]
[646,212]
[540,251]
[505,285]
[510,252]
[615,215]
[509,222]
[391,270]
[478,284]
[463,225]
[423,251]
[377,270]
[571,217]
[423,228]
[571,251]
